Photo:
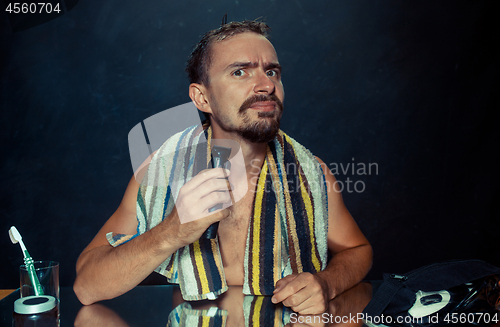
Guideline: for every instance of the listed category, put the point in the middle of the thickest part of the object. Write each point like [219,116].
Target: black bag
[465,293]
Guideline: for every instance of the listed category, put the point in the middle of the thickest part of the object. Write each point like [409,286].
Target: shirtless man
[243,65]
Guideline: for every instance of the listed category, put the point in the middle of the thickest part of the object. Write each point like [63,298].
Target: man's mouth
[264,106]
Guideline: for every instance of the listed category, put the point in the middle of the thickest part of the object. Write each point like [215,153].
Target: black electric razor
[220,159]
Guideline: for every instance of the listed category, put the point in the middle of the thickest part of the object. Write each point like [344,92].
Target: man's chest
[233,232]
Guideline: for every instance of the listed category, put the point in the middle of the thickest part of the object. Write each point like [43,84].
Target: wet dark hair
[200,59]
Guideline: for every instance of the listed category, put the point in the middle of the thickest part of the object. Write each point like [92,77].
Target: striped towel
[184,315]
[257,311]
[288,227]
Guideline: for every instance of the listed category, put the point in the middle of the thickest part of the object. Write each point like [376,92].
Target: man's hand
[304,293]
[191,216]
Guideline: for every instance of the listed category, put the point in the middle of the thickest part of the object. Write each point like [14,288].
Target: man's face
[245,93]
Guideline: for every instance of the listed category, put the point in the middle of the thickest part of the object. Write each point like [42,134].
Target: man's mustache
[260,98]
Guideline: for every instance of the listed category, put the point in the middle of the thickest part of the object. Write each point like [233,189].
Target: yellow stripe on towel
[256,230]
[256,311]
[205,321]
[201,267]
[218,261]
[277,245]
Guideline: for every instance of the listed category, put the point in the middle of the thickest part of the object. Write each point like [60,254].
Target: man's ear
[198,93]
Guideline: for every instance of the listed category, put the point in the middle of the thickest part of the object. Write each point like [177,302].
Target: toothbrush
[15,237]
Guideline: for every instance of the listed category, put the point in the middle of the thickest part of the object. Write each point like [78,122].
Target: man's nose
[264,84]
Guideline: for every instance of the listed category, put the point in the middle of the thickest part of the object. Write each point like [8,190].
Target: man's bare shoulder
[122,221]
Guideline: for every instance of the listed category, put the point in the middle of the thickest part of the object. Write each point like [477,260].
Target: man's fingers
[305,302]
[298,300]
[302,293]
[213,198]
[218,215]
[283,281]
[292,286]
[205,175]
[207,186]
[194,208]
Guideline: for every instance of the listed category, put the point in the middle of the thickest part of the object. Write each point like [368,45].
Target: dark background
[411,86]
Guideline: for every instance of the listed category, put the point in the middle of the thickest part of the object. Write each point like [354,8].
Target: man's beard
[262,130]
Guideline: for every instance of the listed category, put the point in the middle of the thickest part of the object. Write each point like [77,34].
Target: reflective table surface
[163,306]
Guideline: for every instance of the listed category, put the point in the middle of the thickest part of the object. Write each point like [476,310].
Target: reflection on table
[233,308]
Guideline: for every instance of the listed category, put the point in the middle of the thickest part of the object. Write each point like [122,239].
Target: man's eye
[272,73]
[239,72]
